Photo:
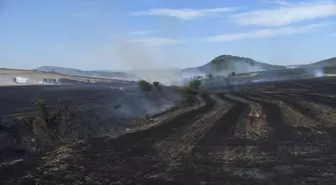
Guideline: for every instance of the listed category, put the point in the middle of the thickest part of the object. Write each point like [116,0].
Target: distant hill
[96,74]
[225,64]
[327,62]
[221,65]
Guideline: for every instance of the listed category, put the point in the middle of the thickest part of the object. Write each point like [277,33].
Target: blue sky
[125,34]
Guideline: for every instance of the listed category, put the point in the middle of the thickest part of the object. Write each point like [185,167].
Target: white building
[20,80]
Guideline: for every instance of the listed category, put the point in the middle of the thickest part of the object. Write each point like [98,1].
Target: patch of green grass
[249,75]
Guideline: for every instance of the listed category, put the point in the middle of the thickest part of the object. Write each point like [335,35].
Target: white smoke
[153,56]
[315,72]
[238,66]
[145,62]
[318,72]
[246,68]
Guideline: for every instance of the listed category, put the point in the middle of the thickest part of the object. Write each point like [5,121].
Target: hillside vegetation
[225,64]
[327,62]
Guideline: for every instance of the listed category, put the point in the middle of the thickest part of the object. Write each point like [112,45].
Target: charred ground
[269,133]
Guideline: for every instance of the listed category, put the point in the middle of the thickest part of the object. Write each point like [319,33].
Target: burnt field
[267,133]
[20,100]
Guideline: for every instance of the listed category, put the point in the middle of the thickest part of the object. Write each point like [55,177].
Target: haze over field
[161,34]
[219,66]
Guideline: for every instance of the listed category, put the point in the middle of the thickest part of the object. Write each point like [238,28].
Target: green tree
[194,84]
[144,86]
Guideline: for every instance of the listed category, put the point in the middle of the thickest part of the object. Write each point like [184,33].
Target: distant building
[20,80]
[50,81]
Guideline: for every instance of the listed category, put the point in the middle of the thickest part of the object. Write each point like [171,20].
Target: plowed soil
[275,133]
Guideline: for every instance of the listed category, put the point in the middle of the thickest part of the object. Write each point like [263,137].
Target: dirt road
[276,133]
[33,76]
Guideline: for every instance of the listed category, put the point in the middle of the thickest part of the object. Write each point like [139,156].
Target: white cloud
[185,14]
[285,15]
[264,33]
[155,41]
[141,32]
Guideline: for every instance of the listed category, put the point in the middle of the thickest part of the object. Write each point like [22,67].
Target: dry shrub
[54,128]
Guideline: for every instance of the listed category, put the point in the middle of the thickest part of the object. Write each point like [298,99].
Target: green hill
[327,62]
[225,64]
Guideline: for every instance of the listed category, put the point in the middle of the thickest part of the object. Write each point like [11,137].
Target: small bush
[209,76]
[42,110]
[232,74]
[53,128]
[144,86]
[188,95]
[194,84]
[157,85]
